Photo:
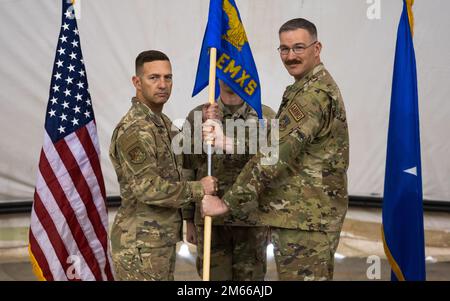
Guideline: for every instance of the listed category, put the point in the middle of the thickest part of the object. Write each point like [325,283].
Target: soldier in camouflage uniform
[148,223]
[238,248]
[304,196]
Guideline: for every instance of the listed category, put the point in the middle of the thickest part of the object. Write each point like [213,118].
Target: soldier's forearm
[241,195]
[254,178]
[159,192]
[196,192]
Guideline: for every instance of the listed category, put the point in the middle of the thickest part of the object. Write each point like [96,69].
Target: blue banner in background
[403,201]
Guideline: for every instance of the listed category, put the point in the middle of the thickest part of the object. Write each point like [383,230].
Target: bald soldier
[303,197]
[148,223]
[238,248]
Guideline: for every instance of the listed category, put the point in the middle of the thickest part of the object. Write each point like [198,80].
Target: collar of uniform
[242,112]
[147,112]
[313,74]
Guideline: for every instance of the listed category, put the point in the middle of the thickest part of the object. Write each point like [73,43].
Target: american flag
[68,237]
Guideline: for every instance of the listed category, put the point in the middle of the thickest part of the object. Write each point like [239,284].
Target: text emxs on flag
[235,64]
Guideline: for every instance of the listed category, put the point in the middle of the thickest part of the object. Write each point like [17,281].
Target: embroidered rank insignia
[296,112]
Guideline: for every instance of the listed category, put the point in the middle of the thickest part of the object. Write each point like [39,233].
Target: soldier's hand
[210,111]
[213,206]
[191,232]
[213,133]
[210,185]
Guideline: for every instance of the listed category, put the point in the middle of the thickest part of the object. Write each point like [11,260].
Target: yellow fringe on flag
[394,266]
[409,4]
[36,269]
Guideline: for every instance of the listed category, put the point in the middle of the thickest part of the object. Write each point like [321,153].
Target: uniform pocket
[157,235]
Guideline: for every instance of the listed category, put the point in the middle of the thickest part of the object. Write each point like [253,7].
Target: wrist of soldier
[225,207]
[229,202]
[197,191]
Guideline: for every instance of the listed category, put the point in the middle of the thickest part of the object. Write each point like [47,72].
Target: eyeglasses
[297,49]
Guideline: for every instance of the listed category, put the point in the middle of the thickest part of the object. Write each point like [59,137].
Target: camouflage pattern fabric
[238,248]
[307,188]
[145,264]
[304,255]
[237,253]
[151,184]
[225,167]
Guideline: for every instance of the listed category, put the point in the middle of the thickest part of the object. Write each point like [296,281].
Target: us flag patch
[296,112]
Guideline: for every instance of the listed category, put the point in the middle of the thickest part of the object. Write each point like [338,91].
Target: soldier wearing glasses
[303,197]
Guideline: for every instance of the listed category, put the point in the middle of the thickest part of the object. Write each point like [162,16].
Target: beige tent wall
[358,51]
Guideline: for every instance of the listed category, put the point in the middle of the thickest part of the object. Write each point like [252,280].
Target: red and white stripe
[69,213]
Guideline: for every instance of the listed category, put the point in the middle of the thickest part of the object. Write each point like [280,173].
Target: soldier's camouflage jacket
[225,167]
[307,188]
[150,178]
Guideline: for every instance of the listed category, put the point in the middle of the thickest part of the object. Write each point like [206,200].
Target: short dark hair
[149,56]
[299,23]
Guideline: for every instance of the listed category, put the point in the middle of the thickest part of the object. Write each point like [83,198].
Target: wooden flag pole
[208,219]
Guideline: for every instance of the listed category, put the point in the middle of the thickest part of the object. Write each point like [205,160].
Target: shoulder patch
[136,154]
[296,112]
[134,151]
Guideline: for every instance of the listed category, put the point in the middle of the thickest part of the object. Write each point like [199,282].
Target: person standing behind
[238,249]
[148,223]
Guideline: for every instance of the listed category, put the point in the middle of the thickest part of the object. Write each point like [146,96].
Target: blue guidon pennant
[235,64]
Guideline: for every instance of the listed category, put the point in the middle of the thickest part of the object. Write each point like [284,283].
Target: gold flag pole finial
[409,4]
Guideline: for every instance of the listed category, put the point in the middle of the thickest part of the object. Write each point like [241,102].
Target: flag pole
[208,219]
